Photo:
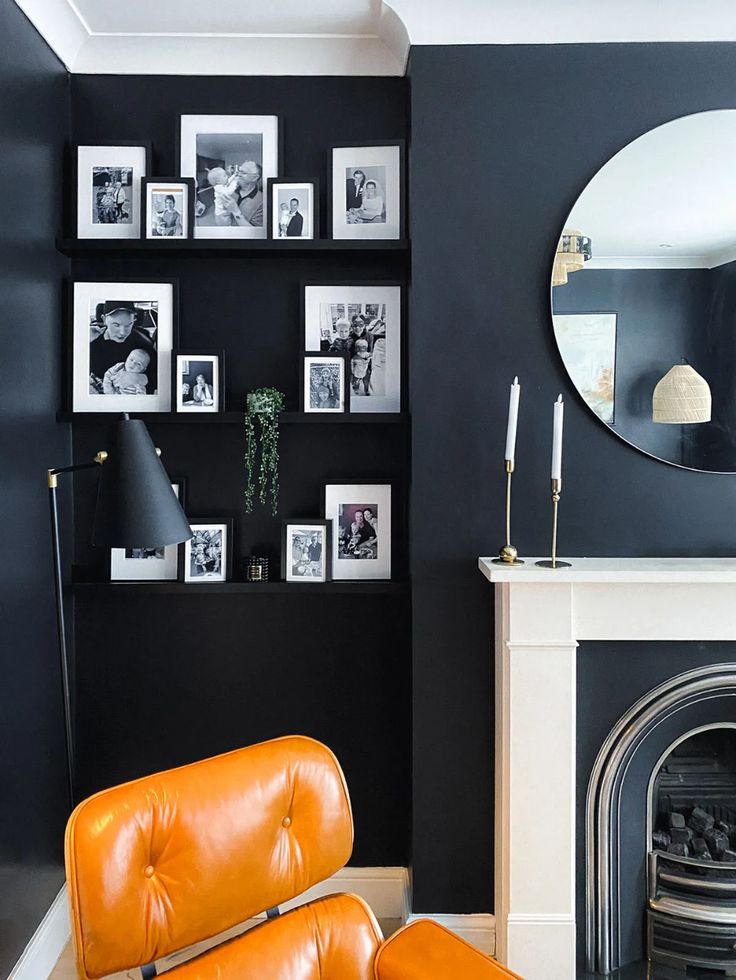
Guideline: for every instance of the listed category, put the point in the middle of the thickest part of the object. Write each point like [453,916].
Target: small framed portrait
[122,337]
[108,183]
[167,208]
[231,159]
[149,564]
[363,323]
[367,191]
[324,383]
[361,529]
[305,550]
[207,555]
[198,381]
[293,209]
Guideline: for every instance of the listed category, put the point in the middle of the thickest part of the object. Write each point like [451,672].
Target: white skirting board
[47,943]
[478,929]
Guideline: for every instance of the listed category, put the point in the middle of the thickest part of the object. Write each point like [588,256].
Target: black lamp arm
[99,459]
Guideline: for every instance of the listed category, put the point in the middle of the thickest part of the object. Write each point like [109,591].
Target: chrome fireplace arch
[602,878]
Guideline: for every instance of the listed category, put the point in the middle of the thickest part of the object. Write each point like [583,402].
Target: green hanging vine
[262,408]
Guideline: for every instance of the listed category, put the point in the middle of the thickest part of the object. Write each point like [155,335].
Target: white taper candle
[557,439]
[513,420]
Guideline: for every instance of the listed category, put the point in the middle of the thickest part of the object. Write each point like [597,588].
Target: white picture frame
[153,326]
[92,162]
[226,141]
[324,306]
[359,555]
[355,210]
[126,567]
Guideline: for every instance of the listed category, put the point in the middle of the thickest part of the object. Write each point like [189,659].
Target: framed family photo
[363,323]
[367,190]
[207,556]
[148,564]
[361,529]
[167,208]
[305,550]
[198,381]
[122,336]
[231,159]
[324,383]
[108,181]
[293,209]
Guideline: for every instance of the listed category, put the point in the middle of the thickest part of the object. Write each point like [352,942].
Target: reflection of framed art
[167,208]
[367,190]
[207,556]
[305,550]
[293,209]
[324,383]
[231,159]
[362,322]
[587,343]
[361,529]
[108,180]
[198,381]
[122,337]
[148,564]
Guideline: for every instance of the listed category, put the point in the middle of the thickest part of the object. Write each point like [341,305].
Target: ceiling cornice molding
[60,24]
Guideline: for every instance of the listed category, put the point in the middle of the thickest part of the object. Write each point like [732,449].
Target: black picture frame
[197,522]
[274,182]
[181,482]
[190,183]
[345,393]
[115,573]
[68,286]
[194,354]
[74,182]
[306,522]
[402,181]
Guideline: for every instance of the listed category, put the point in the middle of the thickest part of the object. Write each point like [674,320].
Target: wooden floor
[66,970]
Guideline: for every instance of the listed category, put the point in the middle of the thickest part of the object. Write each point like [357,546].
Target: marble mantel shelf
[654,571]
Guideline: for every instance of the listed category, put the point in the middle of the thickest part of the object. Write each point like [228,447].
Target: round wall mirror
[644,292]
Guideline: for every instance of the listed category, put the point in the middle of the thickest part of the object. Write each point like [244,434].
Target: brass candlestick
[508,555]
[555,562]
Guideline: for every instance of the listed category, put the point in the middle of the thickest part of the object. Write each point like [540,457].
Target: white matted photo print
[122,335]
[367,192]
[108,190]
[147,564]
[167,208]
[324,384]
[364,324]
[206,556]
[305,550]
[198,382]
[292,211]
[231,159]
[361,529]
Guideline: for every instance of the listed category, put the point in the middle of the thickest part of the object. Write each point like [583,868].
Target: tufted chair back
[161,863]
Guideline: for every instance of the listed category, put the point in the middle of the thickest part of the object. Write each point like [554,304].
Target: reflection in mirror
[644,292]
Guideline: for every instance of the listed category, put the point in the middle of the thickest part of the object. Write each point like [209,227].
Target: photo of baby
[357,531]
[229,180]
[122,347]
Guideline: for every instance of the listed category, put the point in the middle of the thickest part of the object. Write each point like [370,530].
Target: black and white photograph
[167,207]
[198,381]
[305,550]
[231,159]
[367,191]
[361,521]
[293,208]
[206,556]
[363,324]
[324,383]
[123,336]
[108,189]
[148,564]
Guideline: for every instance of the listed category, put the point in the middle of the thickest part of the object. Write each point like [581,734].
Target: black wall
[504,139]
[164,680]
[33,128]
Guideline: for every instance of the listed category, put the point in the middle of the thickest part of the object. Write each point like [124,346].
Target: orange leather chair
[162,863]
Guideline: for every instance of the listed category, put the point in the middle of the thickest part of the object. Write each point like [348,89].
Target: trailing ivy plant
[262,408]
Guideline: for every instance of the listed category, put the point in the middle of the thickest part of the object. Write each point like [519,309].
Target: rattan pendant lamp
[681,397]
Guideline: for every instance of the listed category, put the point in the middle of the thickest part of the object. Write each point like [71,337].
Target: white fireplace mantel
[541,614]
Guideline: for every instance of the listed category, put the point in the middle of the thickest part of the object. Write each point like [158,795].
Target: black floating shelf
[209,246]
[128,589]
[236,418]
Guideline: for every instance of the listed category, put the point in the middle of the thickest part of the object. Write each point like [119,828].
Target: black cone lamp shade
[136,506]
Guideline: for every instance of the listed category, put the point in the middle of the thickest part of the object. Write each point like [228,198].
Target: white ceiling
[667,200]
[343,37]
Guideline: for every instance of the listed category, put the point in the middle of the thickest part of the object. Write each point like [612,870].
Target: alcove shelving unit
[236,418]
[133,248]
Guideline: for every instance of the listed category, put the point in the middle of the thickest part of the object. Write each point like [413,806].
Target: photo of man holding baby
[229,180]
[122,347]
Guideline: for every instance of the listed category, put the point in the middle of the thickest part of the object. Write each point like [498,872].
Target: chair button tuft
[286,822]
[148,871]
